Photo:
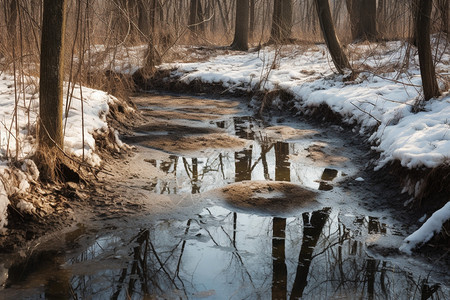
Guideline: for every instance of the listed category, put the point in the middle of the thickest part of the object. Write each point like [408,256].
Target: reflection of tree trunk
[279,279]
[243,165]
[428,291]
[234,229]
[58,286]
[183,245]
[371,269]
[282,165]
[195,183]
[243,159]
[312,229]
[375,226]
[264,150]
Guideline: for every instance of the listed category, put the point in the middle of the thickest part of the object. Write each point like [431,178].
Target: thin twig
[378,121]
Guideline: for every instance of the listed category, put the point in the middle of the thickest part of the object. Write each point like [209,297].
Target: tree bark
[52,75]
[427,71]
[363,19]
[368,20]
[196,16]
[240,41]
[251,28]
[286,20]
[443,6]
[329,33]
[281,21]
[12,18]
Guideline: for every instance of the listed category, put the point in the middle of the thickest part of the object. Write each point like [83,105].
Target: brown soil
[268,197]
[180,124]
[320,154]
[286,133]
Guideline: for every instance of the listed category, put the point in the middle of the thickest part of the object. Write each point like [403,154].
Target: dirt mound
[286,133]
[268,197]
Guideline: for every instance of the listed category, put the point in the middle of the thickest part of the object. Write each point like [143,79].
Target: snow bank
[380,100]
[381,104]
[431,227]
[95,109]
[4,202]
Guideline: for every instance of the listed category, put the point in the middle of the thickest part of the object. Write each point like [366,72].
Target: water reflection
[221,254]
[264,159]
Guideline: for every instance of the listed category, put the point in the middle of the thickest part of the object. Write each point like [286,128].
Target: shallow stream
[337,247]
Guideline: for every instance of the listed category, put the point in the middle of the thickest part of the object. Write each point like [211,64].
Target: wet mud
[217,204]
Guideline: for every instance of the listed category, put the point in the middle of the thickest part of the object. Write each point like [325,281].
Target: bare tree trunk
[353,8]
[286,20]
[415,17]
[12,18]
[151,55]
[363,19]
[281,21]
[275,31]
[381,18]
[427,71]
[329,33]
[443,6]
[196,16]
[251,29]
[52,75]
[241,28]
[368,20]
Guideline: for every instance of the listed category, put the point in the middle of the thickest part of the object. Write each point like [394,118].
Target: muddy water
[335,247]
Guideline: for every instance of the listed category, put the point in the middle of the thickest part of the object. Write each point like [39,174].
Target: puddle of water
[262,160]
[219,253]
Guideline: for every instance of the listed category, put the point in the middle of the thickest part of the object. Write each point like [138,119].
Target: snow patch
[26,207]
[431,227]
[4,202]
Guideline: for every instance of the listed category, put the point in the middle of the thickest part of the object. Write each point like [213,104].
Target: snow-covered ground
[384,101]
[95,109]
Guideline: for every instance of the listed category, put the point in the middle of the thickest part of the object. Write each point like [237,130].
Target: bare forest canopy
[121,23]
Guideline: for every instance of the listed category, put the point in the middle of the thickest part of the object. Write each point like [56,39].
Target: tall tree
[427,71]
[281,21]
[444,7]
[363,19]
[329,34]
[51,75]
[240,41]
[11,17]
[251,29]
[196,16]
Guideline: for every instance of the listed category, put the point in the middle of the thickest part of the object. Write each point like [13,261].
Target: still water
[221,252]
